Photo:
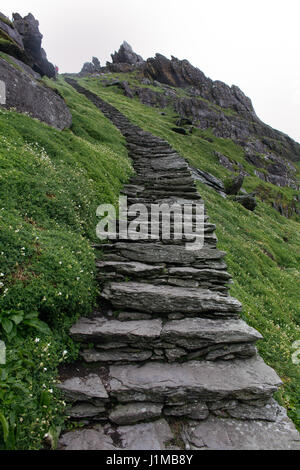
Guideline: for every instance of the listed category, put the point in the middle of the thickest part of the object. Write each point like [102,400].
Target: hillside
[53,180]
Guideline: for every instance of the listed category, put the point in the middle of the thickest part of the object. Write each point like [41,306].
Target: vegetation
[51,183]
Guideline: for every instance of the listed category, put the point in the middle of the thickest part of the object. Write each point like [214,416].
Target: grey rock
[194,333]
[28,29]
[248,201]
[126,55]
[89,389]
[103,330]
[28,95]
[116,355]
[146,436]
[178,383]
[268,412]
[161,253]
[135,412]
[166,299]
[130,269]
[230,434]
[233,185]
[86,439]
[86,410]
[197,411]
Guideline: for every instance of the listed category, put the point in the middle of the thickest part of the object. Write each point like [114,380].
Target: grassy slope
[51,183]
[263,247]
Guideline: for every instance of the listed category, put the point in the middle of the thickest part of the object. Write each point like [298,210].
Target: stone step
[231,434]
[179,384]
[128,341]
[166,299]
[155,435]
[170,254]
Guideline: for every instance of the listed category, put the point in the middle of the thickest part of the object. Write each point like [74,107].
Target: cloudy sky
[254,44]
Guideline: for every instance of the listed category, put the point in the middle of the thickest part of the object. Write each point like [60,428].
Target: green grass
[263,247]
[51,183]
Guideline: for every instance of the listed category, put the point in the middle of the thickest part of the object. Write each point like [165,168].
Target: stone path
[169,364]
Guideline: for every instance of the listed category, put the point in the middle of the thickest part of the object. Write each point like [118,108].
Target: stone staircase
[167,361]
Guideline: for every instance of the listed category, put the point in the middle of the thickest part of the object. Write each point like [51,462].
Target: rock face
[26,93]
[167,342]
[23,40]
[91,67]
[126,55]
[22,63]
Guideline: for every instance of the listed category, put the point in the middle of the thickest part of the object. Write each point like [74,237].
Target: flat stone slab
[146,436]
[101,329]
[162,253]
[89,388]
[166,299]
[129,268]
[86,439]
[176,384]
[194,333]
[230,434]
[135,412]
[116,355]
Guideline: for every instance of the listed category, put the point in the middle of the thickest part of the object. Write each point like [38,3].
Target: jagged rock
[11,41]
[248,201]
[27,95]
[269,412]
[166,299]
[209,180]
[126,55]
[91,67]
[133,413]
[177,384]
[233,185]
[28,28]
[229,434]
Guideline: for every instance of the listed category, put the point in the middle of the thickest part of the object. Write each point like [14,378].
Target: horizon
[241,42]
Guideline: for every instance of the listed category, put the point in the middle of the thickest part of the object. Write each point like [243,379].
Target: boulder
[248,201]
[233,185]
[27,94]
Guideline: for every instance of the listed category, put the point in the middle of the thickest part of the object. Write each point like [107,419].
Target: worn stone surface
[179,383]
[86,439]
[103,330]
[89,389]
[229,434]
[135,412]
[146,436]
[167,299]
[197,411]
[117,355]
[86,410]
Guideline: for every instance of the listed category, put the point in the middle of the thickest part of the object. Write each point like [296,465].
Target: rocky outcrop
[28,29]
[126,55]
[180,73]
[91,67]
[166,342]
[22,39]
[27,94]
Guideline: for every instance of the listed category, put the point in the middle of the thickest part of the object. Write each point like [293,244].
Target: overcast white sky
[254,44]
